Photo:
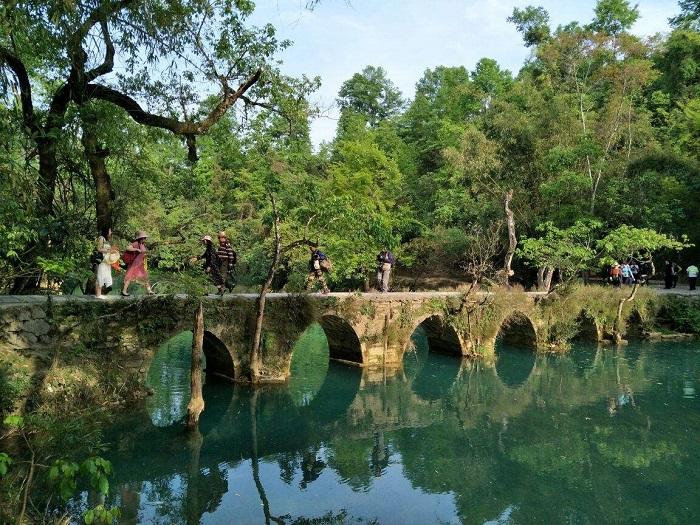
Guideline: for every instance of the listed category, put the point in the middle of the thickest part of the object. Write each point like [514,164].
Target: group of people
[319,264]
[672,272]
[106,257]
[631,272]
[628,273]
[218,263]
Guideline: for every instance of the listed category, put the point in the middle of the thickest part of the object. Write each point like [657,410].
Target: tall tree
[62,53]
[533,23]
[370,94]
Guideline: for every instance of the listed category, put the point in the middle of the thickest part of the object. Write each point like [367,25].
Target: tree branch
[108,63]
[135,111]
[25,87]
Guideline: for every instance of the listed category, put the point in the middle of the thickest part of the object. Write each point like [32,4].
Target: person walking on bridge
[211,263]
[692,271]
[385,262]
[227,262]
[318,265]
[106,256]
[137,266]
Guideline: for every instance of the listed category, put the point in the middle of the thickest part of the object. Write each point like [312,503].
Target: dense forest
[174,117]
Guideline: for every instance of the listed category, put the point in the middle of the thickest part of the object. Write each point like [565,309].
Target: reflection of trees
[350,458]
[167,377]
[545,451]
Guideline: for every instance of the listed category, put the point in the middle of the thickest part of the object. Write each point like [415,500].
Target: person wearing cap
[137,267]
[211,263]
[227,261]
[316,270]
[103,270]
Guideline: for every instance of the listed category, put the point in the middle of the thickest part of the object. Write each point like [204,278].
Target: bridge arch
[343,342]
[442,336]
[518,330]
[219,358]
[588,328]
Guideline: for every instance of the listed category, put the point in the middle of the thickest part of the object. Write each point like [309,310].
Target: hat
[206,238]
[140,235]
[111,257]
[222,233]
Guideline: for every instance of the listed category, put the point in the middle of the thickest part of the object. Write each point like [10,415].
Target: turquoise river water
[600,435]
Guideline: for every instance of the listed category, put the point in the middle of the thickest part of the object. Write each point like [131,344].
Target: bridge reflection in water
[455,440]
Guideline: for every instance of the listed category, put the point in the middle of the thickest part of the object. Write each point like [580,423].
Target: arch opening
[168,376]
[634,326]
[587,328]
[514,344]
[218,359]
[343,343]
[441,336]
[169,380]
[517,331]
[432,374]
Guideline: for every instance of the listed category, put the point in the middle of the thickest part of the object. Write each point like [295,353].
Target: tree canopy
[174,117]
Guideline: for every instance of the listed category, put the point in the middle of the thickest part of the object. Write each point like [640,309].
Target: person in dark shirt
[317,268]
[211,263]
[227,262]
[668,275]
[385,262]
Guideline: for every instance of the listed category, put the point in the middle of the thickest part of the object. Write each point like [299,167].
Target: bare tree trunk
[104,196]
[618,317]
[512,239]
[540,278]
[544,278]
[257,335]
[196,404]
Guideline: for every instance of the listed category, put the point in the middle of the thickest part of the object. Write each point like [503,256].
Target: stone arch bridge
[367,330]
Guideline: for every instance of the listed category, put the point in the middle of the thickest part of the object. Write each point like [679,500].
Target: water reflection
[514,364]
[531,440]
[169,380]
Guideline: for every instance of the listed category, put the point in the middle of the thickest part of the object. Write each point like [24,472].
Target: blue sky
[406,37]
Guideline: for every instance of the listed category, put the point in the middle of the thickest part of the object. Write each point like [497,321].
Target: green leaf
[103,485]
[14,421]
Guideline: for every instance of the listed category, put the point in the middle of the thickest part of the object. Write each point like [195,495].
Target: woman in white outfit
[104,269]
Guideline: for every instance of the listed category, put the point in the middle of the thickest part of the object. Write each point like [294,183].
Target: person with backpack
[137,266]
[211,263]
[319,264]
[227,262]
[385,262]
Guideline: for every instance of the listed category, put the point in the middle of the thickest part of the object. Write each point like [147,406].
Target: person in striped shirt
[227,262]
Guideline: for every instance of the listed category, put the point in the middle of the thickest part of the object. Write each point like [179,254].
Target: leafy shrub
[680,314]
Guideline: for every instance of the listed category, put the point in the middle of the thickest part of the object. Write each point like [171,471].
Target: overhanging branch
[135,111]
[25,87]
